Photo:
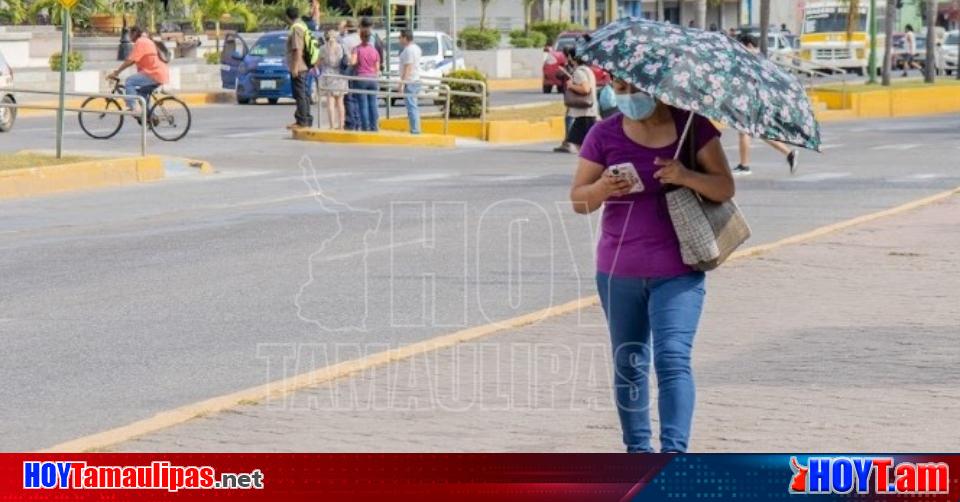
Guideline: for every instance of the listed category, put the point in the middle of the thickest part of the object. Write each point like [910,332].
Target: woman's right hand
[612,186]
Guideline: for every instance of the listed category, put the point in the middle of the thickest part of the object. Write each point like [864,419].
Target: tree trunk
[702,14]
[680,12]
[764,25]
[216,28]
[888,26]
[930,68]
[660,14]
[483,14]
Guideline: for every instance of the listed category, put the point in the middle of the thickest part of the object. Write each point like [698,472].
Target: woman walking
[366,58]
[580,96]
[335,87]
[651,299]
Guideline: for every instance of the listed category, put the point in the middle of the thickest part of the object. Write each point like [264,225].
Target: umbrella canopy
[707,73]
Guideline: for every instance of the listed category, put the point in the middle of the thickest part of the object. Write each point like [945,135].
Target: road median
[380,138]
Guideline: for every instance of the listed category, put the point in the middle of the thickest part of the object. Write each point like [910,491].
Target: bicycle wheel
[169,118]
[95,122]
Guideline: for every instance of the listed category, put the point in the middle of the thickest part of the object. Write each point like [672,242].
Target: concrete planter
[110,23]
[16,48]
[86,81]
[496,63]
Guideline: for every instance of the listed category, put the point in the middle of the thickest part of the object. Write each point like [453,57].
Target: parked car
[259,71]
[951,53]
[436,59]
[899,59]
[7,115]
[555,61]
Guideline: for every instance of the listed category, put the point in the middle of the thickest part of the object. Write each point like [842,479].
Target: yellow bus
[824,38]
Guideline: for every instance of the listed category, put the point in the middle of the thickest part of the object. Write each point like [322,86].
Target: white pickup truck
[7,115]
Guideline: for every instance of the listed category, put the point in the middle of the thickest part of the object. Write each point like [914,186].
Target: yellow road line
[285,386]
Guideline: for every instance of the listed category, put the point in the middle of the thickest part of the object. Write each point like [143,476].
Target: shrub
[480,40]
[553,28]
[212,57]
[74,61]
[465,106]
[521,39]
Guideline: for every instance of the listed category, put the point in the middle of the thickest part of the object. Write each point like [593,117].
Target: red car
[554,61]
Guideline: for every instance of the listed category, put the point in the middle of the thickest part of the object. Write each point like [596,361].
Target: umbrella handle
[683,136]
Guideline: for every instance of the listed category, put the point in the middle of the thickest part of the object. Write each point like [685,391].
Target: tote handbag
[573,99]
[709,232]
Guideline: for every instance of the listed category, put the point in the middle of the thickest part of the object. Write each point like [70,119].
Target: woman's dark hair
[909,27]
[364,36]
[135,31]
[746,39]
[293,13]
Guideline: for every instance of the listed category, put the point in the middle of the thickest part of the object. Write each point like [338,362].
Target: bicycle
[167,116]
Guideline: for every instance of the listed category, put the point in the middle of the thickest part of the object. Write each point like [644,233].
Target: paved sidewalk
[849,342]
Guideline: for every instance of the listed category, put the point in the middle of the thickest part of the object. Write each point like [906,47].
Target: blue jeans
[351,107]
[669,308]
[413,107]
[369,112]
[132,85]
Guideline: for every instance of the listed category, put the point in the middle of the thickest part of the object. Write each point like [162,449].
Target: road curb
[95,173]
[515,84]
[381,138]
[193,99]
[285,386]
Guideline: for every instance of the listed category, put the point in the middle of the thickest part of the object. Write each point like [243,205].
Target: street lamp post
[872,61]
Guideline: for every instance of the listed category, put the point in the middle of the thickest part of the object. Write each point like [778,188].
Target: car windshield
[952,39]
[831,19]
[564,42]
[429,46]
[270,47]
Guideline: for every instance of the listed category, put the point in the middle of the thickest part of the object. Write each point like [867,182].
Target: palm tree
[527,13]
[219,10]
[14,11]
[483,13]
[930,69]
[357,7]
[660,15]
[701,14]
[888,43]
[765,24]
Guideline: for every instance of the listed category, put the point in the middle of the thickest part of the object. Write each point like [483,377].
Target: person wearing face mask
[580,118]
[651,299]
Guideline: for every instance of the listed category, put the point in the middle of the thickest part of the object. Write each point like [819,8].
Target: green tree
[221,10]
[358,7]
[483,13]
[888,27]
[13,11]
[930,66]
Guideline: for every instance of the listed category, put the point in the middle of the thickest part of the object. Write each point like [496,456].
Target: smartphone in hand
[629,173]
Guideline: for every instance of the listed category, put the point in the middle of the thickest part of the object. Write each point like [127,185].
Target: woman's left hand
[671,172]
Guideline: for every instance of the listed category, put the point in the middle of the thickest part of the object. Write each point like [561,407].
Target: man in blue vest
[296,45]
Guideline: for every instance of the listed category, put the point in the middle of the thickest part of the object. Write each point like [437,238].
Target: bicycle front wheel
[169,118]
[95,122]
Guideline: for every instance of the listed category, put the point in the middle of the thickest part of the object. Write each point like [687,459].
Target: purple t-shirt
[636,236]
[368,60]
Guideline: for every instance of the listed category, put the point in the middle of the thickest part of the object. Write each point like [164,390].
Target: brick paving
[850,342]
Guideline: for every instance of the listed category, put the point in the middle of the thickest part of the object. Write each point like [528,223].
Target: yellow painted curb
[382,138]
[96,173]
[496,131]
[287,385]
[515,84]
[888,103]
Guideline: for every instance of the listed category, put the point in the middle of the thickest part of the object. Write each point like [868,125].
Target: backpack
[162,52]
[311,46]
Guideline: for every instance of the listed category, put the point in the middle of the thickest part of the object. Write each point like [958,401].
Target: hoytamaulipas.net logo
[868,475]
[159,475]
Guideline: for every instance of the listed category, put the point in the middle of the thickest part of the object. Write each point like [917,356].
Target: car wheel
[547,89]
[273,101]
[242,101]
[7,115]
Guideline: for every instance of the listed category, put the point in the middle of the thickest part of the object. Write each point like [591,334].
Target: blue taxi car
[259,71]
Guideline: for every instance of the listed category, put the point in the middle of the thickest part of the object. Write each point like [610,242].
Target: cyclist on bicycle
[152,70]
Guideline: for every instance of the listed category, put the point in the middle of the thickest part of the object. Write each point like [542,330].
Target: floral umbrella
[707,73]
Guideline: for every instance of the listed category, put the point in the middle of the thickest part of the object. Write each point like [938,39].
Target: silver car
[7,115]
[951,52]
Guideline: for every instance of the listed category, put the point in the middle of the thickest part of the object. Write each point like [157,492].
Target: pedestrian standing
[583,108]
[410,78]
[334,87]
[651,299]
[910,45]
[366,59]
[743,167]
[296,47]
[351,102]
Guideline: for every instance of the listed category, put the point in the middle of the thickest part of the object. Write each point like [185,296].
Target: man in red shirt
[151,69]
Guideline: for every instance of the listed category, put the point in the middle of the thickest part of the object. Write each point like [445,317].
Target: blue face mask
[636,106]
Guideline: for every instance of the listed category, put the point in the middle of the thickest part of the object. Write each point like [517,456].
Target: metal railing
[38,106]
[386,89]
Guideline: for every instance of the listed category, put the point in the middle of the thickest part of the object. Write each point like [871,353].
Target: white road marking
[915,178]
[813,178]
[361,252]
[900,147]
[414,177]
[255,134]
[830,146]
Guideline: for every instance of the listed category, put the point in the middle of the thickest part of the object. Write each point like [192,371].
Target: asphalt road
[119,303]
